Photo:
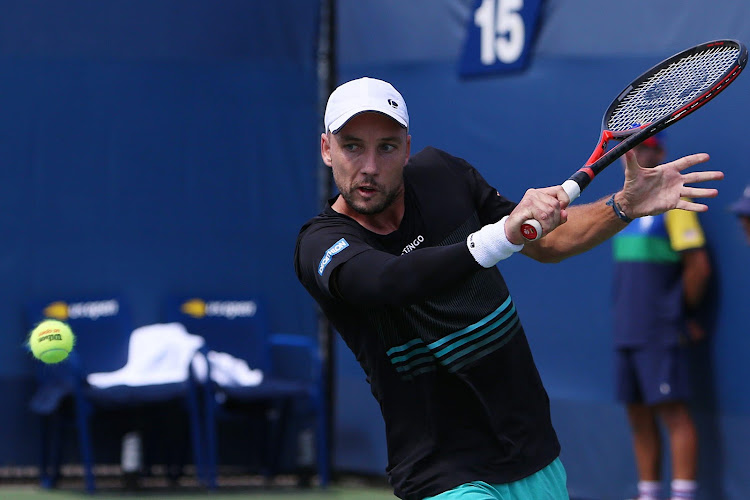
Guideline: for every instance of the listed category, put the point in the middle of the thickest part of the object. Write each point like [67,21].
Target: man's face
[367,157]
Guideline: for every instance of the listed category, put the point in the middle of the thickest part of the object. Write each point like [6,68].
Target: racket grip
[531,229]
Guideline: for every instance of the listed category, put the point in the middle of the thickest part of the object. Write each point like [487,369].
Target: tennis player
[403,263]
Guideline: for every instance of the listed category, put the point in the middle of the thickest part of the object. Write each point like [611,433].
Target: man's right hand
[546,206]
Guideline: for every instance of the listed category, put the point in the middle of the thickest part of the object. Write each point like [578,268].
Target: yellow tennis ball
[51,341]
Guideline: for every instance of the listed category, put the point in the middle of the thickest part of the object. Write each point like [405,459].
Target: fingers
[691,192]
[695,177]
[555,196]
[562,196]
[691,206]
[546,206]
[703,176]
[631,163]
[689,161]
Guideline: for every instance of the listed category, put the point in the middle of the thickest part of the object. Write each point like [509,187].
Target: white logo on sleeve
[336,248]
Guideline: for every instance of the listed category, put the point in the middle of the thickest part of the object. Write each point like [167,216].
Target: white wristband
[489,245]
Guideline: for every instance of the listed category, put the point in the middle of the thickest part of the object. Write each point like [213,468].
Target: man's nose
[370,163]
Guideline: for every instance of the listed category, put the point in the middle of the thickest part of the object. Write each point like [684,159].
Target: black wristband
[618,211]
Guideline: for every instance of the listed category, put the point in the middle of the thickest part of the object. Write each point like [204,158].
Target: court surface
[332,493]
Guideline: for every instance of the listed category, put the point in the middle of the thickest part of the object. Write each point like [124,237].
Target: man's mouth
[366,189]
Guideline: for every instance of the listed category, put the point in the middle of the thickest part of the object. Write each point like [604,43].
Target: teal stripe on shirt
[418,350]
[415,362]
[476,335]
[403,347]
[470,328]
[493,347]
[474,347]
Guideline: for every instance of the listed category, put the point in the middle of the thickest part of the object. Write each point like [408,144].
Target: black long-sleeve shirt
[437,335]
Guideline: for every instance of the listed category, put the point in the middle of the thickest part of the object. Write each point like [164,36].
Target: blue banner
[500,35]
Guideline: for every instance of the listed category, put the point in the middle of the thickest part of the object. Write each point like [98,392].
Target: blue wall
[533,129]
[151,147]
[164,146]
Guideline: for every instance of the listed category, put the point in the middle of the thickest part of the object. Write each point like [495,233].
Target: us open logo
[336,248]
[91,310]
[230,309]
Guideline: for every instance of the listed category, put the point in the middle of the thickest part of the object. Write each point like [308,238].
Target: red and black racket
[661,96]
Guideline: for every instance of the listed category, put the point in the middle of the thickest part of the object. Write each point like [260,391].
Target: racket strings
[672,87]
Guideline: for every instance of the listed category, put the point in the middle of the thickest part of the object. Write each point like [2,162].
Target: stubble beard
[371,207]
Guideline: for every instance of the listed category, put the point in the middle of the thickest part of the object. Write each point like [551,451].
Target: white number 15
[502,30]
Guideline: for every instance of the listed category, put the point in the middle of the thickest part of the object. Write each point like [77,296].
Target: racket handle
[531,229]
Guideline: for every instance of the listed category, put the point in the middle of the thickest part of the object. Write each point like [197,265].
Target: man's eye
[351,147]
[387,147]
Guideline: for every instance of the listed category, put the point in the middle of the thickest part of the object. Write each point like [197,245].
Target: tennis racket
[661,96]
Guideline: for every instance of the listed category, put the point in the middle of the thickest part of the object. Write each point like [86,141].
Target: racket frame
[628,139]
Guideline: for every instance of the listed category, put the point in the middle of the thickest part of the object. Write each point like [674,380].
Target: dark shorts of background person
[652,374]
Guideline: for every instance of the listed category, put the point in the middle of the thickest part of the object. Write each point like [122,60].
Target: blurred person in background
[662,270]
[741,208]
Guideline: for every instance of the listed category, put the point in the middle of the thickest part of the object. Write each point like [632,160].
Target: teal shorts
[547,484]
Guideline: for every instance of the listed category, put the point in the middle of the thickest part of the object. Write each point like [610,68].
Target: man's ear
[325,148]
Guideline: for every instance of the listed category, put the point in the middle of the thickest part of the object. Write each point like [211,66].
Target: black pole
[327,80]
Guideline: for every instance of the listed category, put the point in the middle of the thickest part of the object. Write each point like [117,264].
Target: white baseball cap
[363,95]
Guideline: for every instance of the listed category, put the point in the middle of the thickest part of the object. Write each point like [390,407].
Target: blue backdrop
[151,147]
[163,146]
[533,129]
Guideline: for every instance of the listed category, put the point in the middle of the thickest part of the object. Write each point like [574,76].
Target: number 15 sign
[499,36]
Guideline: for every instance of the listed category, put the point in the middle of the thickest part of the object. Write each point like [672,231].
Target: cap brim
[342,120]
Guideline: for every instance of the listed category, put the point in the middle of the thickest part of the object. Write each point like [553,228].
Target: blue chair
[237,326]
[102,326]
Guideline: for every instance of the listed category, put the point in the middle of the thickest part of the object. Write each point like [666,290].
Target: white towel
[226,370]
[157,354]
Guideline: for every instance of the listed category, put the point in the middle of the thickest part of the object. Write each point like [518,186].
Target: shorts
[549,483]
[652,375]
